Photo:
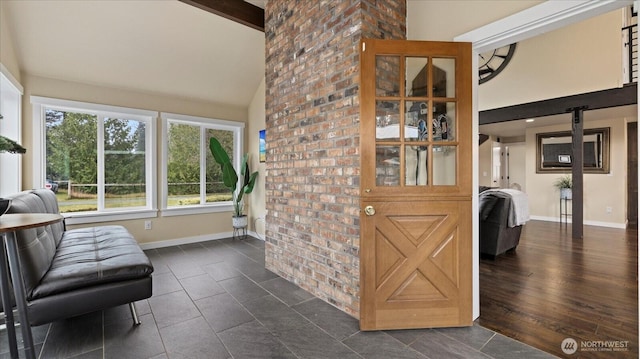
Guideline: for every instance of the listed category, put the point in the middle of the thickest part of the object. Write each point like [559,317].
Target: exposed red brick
[313,159]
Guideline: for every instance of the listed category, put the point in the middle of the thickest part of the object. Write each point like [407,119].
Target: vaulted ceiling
[165,47]
[172,48]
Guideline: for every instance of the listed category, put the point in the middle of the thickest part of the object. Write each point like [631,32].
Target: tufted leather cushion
[93,256]
[36,246]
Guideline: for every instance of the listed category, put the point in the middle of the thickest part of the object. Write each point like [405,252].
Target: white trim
[216,207]
[150,148]
[531,22]
[164,191]
[11,93]
[107,110]
[204,123]
[185,240]
[147,117]
[37,145]
[528,23]
[588,223]
[222,124]
[12,80]
[97,217]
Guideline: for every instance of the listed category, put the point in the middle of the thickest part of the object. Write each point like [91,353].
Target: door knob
[369,210]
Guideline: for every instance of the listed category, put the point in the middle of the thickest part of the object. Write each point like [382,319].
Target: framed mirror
[554,152]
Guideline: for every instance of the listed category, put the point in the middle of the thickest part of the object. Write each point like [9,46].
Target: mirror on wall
[554,152]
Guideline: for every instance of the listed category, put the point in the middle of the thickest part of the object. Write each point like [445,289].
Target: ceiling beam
[235,10]
[621,96]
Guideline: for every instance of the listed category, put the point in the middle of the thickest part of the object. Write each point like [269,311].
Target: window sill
[200,209]
[95,217]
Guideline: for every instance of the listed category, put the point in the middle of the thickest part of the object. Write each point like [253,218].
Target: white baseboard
[195,239]
[186,240]
[256,235]
[589,223]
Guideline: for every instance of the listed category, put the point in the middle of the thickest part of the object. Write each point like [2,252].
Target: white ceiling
[164,47]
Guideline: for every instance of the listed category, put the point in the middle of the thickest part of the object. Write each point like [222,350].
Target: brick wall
[313,163]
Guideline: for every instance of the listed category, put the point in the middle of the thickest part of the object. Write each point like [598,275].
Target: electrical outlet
[609,210]
[147,224]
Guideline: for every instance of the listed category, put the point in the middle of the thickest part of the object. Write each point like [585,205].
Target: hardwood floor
[554,287]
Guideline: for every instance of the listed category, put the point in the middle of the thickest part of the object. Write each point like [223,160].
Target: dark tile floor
[216,300]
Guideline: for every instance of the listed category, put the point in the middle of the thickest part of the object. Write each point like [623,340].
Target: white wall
[583,57]
[576,59]
[600,190]
[257,122]
[175,228]
[8,56]
[484,165]
[442,20]
[517,166]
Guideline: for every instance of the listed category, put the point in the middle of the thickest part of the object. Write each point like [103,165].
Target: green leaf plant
[11,146]
[230,177]
[563,182]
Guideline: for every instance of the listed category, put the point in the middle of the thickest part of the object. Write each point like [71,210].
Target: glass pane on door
[444,77]
[415,128]
[387,120]
[387,165]
[416,76]
[387,76]
[416,121]
[416,171]
[444,165]
[443,126]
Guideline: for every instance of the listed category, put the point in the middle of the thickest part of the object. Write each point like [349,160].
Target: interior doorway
[632,174]
[508,165]
[526,24]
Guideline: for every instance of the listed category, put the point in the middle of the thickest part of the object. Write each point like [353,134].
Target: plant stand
[240,233]
[564,214]
[240,227]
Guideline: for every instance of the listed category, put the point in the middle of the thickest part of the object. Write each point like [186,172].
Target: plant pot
[565,193]
[240,221]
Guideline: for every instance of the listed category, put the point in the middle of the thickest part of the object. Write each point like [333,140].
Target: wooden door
[416,232]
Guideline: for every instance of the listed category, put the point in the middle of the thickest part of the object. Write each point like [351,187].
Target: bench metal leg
[20,295]
[134,315]
[6,302]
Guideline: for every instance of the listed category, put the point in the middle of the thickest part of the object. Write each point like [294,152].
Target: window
[98,159]
[193,180]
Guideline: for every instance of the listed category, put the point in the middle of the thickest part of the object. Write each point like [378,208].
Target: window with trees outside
[97,159]
[193,178]
[100,160]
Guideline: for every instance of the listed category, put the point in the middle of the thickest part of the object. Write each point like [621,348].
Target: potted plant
[564,185]
[230,180]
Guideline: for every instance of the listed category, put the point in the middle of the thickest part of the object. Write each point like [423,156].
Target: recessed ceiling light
[530,120]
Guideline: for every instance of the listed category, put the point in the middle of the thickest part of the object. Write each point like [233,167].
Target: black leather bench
[73,272]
